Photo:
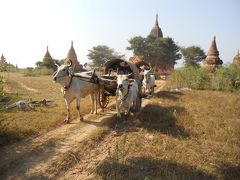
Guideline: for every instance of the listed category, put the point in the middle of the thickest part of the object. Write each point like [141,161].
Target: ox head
[63,72]
[146,74]
[123,82]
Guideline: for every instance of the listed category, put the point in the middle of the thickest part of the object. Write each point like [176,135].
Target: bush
[191,77]
[37,71]
[224,79]
[1,87]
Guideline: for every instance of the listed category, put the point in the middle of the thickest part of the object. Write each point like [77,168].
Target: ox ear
[142,67]
[71,70]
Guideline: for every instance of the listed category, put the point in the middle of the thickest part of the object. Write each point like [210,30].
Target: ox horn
[70,62]
[129,75]
[150,67]
[57,63]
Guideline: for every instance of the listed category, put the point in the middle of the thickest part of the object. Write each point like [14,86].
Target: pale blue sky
[28,26]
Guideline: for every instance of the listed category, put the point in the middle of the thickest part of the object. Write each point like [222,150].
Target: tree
[101,53]
[47,63]
[162,51]
[192,55]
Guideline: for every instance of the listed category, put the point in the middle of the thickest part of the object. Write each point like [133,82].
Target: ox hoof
[81,118]
[66,120]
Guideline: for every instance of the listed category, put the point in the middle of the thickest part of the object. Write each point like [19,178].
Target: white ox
[148,82]
[74,87]
[126,95]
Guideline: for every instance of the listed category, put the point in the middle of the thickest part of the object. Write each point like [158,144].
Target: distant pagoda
[156,30]
[47,57]
[236,59]
[3,58]
[212,60]
[3,63]
[73,56]
[48,60]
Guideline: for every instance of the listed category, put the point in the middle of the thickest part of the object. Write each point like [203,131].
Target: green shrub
[191,77]
[1,87]
[43,71]
[37,71]
[224,79]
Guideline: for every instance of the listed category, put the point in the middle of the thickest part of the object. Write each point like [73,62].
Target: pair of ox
[76,87]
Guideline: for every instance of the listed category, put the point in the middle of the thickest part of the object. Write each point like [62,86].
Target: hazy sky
[28,26]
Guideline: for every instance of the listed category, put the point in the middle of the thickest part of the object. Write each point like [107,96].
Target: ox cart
[108,79]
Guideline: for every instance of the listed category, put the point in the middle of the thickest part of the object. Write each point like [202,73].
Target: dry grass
[15,124]
[179,135]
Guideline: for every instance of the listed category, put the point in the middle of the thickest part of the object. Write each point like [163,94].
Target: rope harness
[93,79]
[126,95]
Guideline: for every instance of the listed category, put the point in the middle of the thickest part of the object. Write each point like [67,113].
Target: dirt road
[31,158]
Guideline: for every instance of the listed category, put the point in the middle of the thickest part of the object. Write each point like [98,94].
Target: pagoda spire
[47,54]
[156,21]
[213,48]
[156,30]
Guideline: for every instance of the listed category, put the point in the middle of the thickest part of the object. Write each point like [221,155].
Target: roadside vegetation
[36,71]
[194,77]
[1,88]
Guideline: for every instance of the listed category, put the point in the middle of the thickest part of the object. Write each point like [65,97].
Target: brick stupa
[47,57]
[236,59]
[73,56]
[212,60]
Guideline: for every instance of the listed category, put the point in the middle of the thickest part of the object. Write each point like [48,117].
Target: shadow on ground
[168,95]
[154,117]
[148,168]
[229,171]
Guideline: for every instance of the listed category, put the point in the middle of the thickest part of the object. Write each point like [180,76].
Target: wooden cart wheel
[103,99]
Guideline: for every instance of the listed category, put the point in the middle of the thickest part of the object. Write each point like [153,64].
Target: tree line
[154,50]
